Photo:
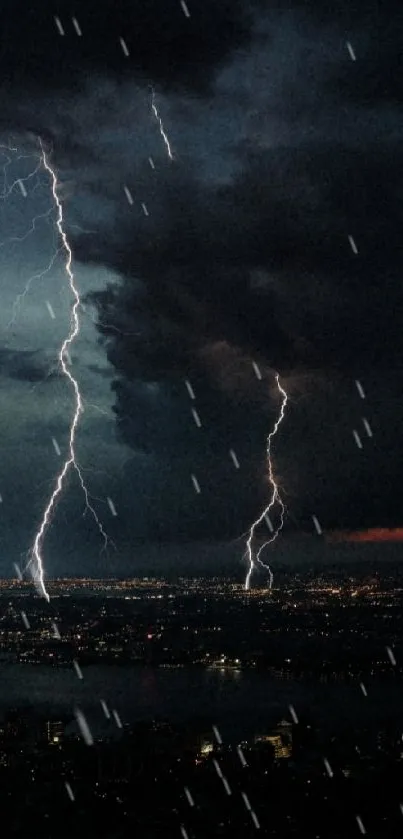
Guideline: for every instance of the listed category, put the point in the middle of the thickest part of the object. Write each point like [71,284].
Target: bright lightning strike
[159,120]
[35,563]
[253,556]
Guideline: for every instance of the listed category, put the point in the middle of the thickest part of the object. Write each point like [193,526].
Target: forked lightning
[252,555]
[35,563]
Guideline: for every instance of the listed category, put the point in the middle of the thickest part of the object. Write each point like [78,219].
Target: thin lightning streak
[36,561]
[5,194]
[20,297]
[18,181]
[159,120]
[31,230]
[98,322]
[252,557]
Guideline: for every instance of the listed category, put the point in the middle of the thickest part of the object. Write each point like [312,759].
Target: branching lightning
[20,297]
[20,181]
[160,123]
[252,555]
[31,230]
[35,563]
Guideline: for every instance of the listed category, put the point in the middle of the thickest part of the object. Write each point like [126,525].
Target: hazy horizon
[198,558]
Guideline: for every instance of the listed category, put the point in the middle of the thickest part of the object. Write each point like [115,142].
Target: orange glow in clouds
[374,534]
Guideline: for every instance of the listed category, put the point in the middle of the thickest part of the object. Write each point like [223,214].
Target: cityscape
[293,697]
[201,530]
[338,625]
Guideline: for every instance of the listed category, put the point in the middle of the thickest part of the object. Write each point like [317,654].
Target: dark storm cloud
[102,372]
[377,77]
[260,268]
[323,307]
[165,47]
[289,214]
[368,18]
[285,219]
[25,366]
[196,275]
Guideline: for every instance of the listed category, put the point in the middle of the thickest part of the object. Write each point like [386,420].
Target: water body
[241,703]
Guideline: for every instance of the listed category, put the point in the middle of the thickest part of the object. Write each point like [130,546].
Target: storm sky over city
[259,222]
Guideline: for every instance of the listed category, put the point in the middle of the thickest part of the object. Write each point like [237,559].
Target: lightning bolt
[31,230]
[35,563]
[18,181]
[5,194]
[159,120]
[20,297]
[250,553]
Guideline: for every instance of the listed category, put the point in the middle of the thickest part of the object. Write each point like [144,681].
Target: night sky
[285,126]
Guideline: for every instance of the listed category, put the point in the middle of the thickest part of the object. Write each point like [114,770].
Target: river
[241,703]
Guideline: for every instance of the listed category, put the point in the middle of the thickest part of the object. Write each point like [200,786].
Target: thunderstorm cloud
[273,237]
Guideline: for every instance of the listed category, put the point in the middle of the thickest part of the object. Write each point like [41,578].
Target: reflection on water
[237,701]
